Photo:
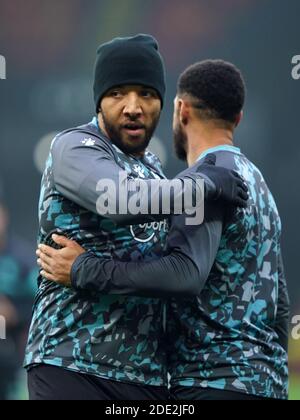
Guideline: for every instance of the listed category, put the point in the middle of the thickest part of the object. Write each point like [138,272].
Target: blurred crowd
[17,288]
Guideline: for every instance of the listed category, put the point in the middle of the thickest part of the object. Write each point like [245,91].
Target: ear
[177,104]
[184,112]
[239,118]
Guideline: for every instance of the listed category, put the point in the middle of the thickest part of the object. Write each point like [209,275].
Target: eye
[146,93]
[115,93]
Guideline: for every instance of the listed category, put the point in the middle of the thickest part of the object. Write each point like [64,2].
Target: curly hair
[217,89]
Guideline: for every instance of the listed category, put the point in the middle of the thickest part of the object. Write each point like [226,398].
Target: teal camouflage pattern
[226,338]
[112,337]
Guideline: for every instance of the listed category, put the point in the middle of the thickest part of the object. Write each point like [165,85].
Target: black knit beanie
[129,61]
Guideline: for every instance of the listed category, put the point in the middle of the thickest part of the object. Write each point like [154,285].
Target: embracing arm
[82,172]
[182,273]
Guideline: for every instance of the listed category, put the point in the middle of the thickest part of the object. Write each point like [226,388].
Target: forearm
[174,275]
[90,177]
[183,272]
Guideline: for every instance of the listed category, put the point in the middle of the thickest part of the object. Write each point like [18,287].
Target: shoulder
[83,137]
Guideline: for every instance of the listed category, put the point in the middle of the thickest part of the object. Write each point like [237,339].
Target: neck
[102,125]
[204,137]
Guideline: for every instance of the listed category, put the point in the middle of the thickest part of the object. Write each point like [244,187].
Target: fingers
[242,191]
[55,264]
[61,240]
[240,203]
[243,195]
[44,266]
[47,250]
[44,257]
[240,181]
[44,262]
[243,186]
[48,276]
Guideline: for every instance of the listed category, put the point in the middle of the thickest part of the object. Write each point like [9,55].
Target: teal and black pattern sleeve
[79,165]
[181,273]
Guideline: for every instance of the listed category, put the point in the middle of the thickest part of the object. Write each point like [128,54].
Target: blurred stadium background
[50,47]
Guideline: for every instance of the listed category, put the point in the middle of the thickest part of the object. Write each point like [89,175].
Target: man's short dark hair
[216,87]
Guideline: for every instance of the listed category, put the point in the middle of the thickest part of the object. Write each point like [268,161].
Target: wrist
[75,267]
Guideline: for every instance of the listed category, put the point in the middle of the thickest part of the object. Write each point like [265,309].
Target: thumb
[61,240]
[210,160]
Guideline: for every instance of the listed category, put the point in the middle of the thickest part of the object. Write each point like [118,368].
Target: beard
[180,143]
[128,144]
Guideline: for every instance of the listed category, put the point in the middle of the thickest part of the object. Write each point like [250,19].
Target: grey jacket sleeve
[283,312]
[82,173]
[182,273]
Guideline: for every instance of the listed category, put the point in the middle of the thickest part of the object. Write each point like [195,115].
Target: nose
[133,107]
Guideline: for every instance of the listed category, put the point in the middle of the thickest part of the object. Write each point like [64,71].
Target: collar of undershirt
[223,148]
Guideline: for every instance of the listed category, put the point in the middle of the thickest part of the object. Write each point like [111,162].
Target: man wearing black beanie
[129,61]
[83,345]
[129,65]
